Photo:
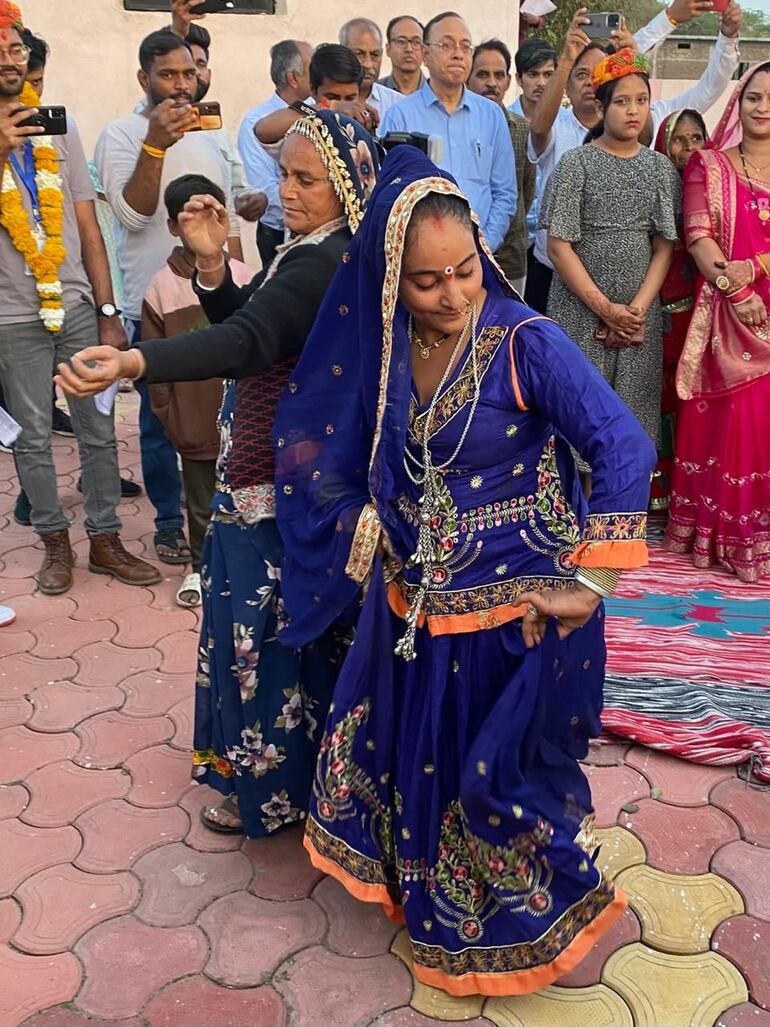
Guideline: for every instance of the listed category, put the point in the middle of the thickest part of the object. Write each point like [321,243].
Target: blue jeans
[28,353]
[159,464]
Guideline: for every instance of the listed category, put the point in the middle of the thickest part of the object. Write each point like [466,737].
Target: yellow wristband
[673,21]
[153,151]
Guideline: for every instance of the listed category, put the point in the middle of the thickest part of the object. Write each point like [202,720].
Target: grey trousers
[28,355]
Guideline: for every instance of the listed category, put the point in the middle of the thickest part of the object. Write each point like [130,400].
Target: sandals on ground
[211,817]
[189,593]
[171,546]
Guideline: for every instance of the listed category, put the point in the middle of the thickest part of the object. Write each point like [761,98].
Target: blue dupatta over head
[335,455]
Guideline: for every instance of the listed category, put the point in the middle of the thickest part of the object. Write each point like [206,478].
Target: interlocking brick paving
[117,906]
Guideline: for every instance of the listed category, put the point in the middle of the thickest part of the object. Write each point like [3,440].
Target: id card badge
[39,236]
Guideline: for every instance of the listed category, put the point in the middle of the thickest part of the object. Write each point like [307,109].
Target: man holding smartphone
[137,156]
[29,348]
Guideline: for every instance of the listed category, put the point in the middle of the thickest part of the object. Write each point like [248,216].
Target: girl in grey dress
[611,209]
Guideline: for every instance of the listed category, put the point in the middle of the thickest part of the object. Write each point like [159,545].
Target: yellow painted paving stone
[620,849]
[679,912]
[674,991]
[432,1001]
[597,1006]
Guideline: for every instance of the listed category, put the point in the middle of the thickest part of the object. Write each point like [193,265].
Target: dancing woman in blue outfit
[423,452]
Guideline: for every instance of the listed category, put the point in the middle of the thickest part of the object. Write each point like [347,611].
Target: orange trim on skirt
[518,982]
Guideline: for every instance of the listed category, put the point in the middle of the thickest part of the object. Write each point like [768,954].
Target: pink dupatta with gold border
[721,354]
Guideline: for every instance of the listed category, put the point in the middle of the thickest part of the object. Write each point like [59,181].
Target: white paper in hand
[10,430]
[106,400]
[537,8]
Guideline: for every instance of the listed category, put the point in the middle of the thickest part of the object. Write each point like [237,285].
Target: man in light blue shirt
[289,70]
[477,148]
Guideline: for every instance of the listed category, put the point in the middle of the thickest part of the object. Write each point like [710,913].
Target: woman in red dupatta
[720,503]
[679,136]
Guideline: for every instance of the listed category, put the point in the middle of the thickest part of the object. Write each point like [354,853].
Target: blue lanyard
[27,176]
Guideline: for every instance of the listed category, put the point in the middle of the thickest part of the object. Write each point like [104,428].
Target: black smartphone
[208,116]
[52,119]
[601,25]
[224,6]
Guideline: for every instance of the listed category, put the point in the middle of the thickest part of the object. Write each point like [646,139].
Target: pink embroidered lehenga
[720,503]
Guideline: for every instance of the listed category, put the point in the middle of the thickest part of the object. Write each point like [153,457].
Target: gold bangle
[153,151]
[673,21]
[763,263]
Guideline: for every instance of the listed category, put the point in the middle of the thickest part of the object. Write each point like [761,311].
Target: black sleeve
[218,304]
[271,327]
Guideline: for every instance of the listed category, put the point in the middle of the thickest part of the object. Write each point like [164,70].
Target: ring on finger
[531,609]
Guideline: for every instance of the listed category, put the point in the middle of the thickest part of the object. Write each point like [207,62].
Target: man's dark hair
[285,56]
[38,50]
[434,21]
[499,47]
[585,50]
[402,17]
[532,53]
[335,62]
[158,44]
[184,188]
[197,35]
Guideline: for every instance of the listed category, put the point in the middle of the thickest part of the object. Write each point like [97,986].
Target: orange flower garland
[44,263]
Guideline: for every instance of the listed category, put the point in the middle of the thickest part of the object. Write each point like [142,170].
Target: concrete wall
[94,47]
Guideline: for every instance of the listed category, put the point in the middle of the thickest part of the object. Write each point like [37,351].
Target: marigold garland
[43,263]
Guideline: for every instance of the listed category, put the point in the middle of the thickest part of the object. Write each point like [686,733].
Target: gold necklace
[757,167]
[425,348]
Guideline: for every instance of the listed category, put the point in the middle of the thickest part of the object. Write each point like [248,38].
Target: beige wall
[94,46]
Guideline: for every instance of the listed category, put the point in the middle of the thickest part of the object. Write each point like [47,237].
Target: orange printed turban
[616,65]
[10,16]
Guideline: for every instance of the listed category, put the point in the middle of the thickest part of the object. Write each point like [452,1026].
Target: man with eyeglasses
[404,50]
[363,37]
[473,132]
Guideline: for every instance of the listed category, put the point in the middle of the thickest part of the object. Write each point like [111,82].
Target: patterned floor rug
[688,668]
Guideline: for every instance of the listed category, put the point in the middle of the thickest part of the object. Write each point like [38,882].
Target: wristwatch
[722,282]
[108,310]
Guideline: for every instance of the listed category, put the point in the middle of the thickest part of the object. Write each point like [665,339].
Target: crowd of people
[478,333]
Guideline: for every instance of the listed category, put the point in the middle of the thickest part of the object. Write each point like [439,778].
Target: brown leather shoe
[55,576]
[107,556]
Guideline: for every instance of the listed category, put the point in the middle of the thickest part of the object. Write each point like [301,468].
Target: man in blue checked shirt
[476,141]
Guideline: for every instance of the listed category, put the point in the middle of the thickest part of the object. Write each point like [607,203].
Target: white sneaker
[7,616]
[189,593]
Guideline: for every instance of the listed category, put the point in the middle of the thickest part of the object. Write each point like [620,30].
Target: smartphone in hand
[52,119]
[601,25]
[208,117]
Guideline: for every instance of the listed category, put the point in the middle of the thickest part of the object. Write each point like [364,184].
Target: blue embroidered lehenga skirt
[448,789]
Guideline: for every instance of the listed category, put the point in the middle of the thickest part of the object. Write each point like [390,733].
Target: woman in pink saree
[720,504]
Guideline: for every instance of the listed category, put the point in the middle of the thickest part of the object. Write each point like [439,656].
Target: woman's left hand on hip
[571,608]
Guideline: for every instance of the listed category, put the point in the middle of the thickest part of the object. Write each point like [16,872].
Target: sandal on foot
[189,593]
[171,546]
[210,817]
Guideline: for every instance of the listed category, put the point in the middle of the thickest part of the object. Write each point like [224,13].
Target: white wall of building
[94,47]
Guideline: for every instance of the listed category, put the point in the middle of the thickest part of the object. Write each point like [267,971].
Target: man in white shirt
[364,38]
[136,157]
[290,74]
[554,129]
